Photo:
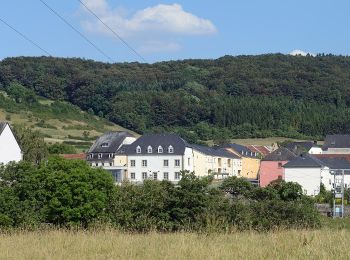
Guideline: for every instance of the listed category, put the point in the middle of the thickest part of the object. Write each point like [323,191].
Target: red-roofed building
[79,156]
[263,150]
[345,156]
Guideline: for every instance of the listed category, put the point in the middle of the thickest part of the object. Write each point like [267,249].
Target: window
[144,163]
[166,163]
[149,149]
[177,163]
[96,164]
[166,176]
[170,149]
[132,175]
[110,164]
[188,161]
[239,172]
[144,175]
[229,162]
[160,149]
[99,155]
[111,155]
[279,165]
[177,175]
[132,163]
[104,145]
[138,149]
[155,176]
[91,156]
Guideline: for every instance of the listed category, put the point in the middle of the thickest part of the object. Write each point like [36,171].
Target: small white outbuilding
[9,147]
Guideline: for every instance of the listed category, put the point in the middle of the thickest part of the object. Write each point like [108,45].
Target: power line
[114,33]
[25,37]
[76,30]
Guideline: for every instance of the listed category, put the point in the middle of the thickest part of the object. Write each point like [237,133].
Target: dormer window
[149,149]
[170,149]
[333,143]
[100,156]
[111,155]
[104,145]
[242,152]
[138,149]
[160,149]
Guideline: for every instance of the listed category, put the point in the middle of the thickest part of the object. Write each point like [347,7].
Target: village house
[336,144]
[250,160]
[271,166]
[10,151]
[219,162]
[310,172]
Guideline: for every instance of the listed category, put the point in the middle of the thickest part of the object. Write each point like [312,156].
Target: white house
[9,147]
[310,172]
[158,157]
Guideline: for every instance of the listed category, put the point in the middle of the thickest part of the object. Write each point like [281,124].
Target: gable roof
[78,156]
[327,155]
[2,126]
[336,141]
[240,149]
[304,161]
[113,139]
[155,140]
[264,150]
[336,163]
[281,154]
[219,152]
[300,147]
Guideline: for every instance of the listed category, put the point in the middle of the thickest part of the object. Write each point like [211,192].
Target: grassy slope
[111,244]
[68,127]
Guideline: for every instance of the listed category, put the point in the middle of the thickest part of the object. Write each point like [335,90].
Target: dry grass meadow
[59,244]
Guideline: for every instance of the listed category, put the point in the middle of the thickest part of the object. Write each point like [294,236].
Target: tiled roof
[264,150]
[345,156]
[240,149]
[304,161]
[157,140]
[300,147]
[79,156]
[219,152]
[113,141]
[336,141]
[281,154]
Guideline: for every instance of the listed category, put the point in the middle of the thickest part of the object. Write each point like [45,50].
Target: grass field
[319,244]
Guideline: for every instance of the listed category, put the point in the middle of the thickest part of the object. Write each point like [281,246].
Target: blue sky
[172,30]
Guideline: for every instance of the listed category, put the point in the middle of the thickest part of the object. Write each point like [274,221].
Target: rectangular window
[99,155]
[177,175]
[155,176]
[189,161]
[132,163]
[279,165]
[132,175]
[177,163]
[144,175]
[166,163]
[166,176]
[144,163]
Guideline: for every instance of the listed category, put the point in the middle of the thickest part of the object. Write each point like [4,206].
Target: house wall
[270,171]
[250,167]
[308,178]
[9,148]
[155,164]
[120,160]
[202,164]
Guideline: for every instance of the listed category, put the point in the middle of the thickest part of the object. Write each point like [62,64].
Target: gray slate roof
[336,141]
[2,126]
[300,147]
[336,163]
[304,161]
[241,149]
[113,139]
[156,140]
[281,154]
[219,152]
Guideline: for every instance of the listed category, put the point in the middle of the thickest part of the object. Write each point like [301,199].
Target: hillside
[57,121]
[202,100]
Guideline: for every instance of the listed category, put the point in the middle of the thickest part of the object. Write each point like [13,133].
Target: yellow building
[250,160]
[217,162]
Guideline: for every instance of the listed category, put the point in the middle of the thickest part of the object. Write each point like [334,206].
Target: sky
[173,30]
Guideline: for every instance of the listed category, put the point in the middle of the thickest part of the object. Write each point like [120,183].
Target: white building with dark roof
[9,147]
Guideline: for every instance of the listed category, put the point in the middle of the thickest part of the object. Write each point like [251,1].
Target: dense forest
[243,96]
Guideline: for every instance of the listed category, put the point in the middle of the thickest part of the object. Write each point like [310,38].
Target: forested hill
[243,96]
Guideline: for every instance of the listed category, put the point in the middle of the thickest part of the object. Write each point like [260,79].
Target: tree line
[243,96]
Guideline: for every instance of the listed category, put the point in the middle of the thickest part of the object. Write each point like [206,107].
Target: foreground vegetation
[111,244]
[230,97]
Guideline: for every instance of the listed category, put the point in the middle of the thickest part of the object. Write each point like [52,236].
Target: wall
[337,151]
[250,167]
[9,148]
[308,178]
[270,171]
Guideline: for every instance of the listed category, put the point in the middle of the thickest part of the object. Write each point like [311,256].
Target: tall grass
[111,244]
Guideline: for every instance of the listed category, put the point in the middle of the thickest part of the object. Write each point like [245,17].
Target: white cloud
[301,53]
[160,23]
